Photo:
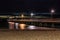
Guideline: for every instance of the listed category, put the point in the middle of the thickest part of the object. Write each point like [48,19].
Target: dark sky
[29,5]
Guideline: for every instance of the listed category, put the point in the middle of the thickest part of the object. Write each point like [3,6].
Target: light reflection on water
[24,25]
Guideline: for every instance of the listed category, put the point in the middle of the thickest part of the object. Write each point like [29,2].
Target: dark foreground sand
[29,35]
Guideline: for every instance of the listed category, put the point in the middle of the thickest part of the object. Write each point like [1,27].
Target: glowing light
[16,25]
[22,15]
[31,27]
[11,25]
[22,26]
[11,22]
[52,11]
[31,14]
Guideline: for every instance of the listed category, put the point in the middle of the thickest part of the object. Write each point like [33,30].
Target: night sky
[13,6]
[29,5]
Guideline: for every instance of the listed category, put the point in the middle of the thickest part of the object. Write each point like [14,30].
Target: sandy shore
[29,35]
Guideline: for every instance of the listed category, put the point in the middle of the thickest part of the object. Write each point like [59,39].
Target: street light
[52,12]
[31,14]
[22,15]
